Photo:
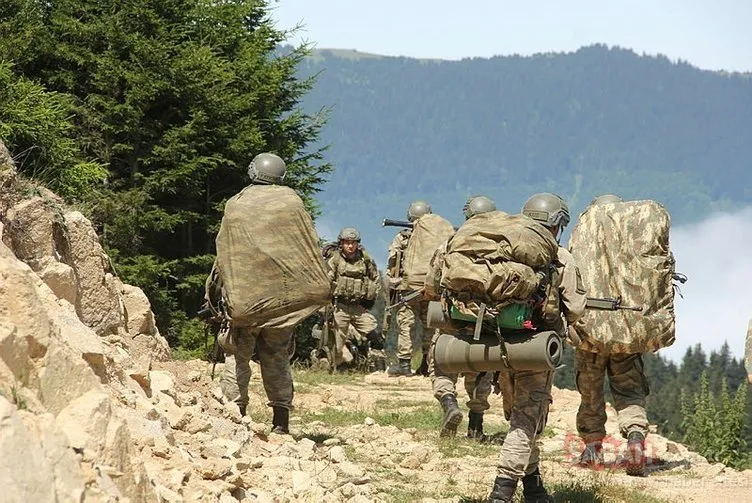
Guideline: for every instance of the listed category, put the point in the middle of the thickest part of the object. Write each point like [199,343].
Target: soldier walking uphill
[477,384]
[356,284]
[649,281]
[258,293]
[527,394]
[411,313]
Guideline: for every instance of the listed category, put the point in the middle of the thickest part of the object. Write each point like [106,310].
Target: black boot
[503,491]
[423,369]
[533,490]
[635,455]
[475,426]
[592,456]
[452,416]
[242,409]
[402,368]
[281,420]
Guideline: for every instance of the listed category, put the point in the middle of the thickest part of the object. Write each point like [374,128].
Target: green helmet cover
[417,209]
[349,234]
[477,205]
[547,208]
[267,168]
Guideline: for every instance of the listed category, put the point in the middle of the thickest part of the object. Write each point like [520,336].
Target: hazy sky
[709,34]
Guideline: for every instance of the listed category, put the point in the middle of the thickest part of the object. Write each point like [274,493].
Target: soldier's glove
[368,304]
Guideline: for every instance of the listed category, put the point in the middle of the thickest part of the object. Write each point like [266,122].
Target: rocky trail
[370,437]
[92,408]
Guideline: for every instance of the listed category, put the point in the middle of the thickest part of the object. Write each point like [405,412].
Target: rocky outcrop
[65,355]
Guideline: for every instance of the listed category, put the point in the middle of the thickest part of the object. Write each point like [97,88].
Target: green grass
[597,492]
[421,418]
[403,403]
[318,377]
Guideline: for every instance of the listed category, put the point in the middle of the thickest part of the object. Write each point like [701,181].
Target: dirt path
[374,438]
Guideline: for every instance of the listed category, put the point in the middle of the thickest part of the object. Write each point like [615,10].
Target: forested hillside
[598,120]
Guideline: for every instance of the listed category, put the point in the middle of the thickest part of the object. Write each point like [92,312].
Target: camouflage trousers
[350,320]
[477,384]
[527,396]
[408,315]
[628,384]
[272,347]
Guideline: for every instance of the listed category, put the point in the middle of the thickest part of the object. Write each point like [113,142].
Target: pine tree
[174,97]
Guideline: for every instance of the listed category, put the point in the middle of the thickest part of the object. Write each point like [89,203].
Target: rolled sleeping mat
[461,353]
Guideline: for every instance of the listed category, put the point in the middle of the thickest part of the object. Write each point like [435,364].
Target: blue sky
[712,35]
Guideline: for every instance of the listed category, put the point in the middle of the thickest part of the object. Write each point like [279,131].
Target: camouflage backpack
[429,232]
[622,250]
[269,260]
[498,259]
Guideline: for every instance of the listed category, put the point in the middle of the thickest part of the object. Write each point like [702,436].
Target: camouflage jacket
[396,258]
[354,279]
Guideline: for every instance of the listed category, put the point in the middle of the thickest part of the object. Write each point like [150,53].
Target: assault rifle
[608,304]
[322,332]
[406,298]
[212,323]
[388,222]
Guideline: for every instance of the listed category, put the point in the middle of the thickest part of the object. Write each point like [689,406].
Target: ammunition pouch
[349,289]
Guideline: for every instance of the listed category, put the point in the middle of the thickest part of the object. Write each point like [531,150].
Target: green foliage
[714,427]
[36,127]
[174,98]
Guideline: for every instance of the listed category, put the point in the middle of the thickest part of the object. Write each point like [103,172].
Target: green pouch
[512,316]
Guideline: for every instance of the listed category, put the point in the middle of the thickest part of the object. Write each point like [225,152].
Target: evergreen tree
[175,97]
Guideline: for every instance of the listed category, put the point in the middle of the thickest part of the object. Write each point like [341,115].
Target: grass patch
[461,446]
[421,418]
[317,377]
[584,492]
[397,404]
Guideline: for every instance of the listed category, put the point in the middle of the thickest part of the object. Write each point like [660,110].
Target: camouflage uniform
[628,384]
[412,312]
[478,385]
[527,394]
[272,347]
[356,283]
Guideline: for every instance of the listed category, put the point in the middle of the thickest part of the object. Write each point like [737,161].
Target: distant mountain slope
[594,121]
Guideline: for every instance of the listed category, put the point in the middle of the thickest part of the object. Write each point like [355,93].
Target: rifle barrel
[388,222]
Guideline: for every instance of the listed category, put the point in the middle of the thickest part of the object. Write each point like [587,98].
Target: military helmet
[267,168]
[606,199]
[417,209]
[548,209]
[477,205]
[349,234]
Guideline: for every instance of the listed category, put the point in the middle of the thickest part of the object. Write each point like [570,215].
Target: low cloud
[716,255]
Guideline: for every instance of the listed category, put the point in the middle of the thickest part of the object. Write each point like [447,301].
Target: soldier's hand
[393,283]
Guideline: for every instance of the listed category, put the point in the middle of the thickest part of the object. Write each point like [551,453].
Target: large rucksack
[498,259]
[269,259]
[429,232]
[622,250]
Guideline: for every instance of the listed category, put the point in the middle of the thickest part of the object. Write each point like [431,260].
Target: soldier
[410,313]
[527,394]
[629,387]
[356,283]
[271,345]
[477,384]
